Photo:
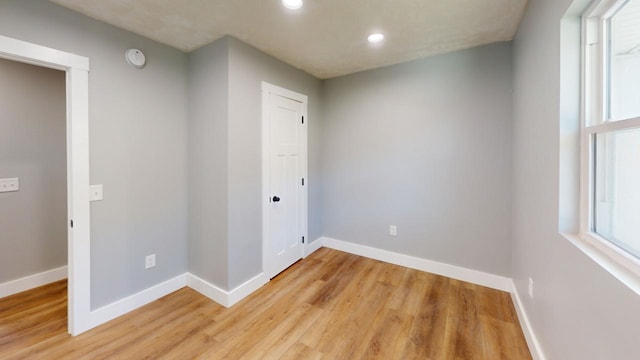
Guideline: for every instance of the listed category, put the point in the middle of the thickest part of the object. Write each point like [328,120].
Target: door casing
[77,105]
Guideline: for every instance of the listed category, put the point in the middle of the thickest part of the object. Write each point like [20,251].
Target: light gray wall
[33,221]
[425,146]
[138,145]
[579,311]
[208,162]
[248,67]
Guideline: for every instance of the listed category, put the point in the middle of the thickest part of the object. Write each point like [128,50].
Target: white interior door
[286,206]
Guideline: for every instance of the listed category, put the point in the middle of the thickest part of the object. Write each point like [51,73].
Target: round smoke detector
[135,58]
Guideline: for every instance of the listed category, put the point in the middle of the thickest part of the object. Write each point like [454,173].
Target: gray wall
[138,145]
[33,221]
[579,310]
[425,146]
[208,162]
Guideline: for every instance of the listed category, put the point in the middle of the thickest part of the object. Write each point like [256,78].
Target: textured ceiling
[325,38]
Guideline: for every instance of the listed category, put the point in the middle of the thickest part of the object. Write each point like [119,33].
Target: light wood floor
[331,305]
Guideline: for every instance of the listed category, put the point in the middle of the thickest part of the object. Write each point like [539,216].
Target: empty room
[307,179]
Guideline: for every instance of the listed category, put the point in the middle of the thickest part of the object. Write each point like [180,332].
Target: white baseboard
[312,247]
[33,281]
[144,297]
[208,289]
[452,271]
[525,324]
[130,303]
[223,297]
[247,288]
[229,298]
[456,272]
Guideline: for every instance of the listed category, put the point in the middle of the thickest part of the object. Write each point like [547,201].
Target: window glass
[624,58]
[617,188]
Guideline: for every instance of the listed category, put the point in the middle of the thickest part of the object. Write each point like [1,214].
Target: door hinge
[303,119]
[302,181]
[303,239]
[71,223]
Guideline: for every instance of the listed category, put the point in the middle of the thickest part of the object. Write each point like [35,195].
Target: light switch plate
[95,193]
[150,261]
[8,185]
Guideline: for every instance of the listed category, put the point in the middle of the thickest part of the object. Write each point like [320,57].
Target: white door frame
[77,85]
[267,90]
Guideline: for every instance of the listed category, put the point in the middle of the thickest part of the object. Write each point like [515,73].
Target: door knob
[276,199]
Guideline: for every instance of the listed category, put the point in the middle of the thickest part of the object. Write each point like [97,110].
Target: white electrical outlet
[150,261]
[531,288]
[393,230]
[8,185]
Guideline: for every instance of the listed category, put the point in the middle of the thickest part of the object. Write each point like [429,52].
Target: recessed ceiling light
[292,4]
[375,38]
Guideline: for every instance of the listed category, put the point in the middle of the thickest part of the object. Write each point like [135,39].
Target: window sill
[622,266]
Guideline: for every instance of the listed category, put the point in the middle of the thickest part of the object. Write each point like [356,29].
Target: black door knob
[276,199]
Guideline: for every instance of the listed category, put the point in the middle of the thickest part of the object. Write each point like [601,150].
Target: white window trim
[615,260]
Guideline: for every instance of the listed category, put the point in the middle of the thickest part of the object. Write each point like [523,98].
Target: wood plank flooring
[331,305]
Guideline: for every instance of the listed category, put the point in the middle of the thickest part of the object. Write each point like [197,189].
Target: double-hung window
[610,186]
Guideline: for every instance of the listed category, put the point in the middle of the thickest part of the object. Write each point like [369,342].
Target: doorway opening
[33,189]
[76,70]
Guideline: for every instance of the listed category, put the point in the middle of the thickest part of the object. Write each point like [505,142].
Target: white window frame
[594,119]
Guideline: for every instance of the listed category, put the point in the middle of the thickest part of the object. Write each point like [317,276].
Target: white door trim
[268,89]
[77,70]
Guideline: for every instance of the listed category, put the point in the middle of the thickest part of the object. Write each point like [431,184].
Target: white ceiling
[325,38]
